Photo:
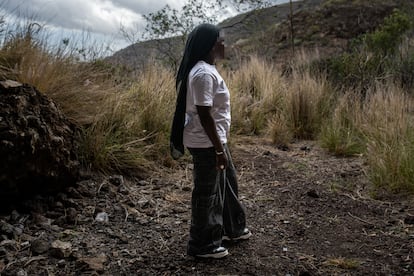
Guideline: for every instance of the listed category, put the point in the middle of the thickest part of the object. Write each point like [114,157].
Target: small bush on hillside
[385,40]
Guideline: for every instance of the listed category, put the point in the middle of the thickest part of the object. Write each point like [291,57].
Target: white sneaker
[218,253]
[245,236]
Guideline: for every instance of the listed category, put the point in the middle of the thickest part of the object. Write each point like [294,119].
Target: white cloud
[103,16]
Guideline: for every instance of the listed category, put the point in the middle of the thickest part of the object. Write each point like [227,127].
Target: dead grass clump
[308,102]
[132,130]
[389,132]
[256,91]
[340,134]
[343,263]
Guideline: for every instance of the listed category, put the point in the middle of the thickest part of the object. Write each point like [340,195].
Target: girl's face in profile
[218,48]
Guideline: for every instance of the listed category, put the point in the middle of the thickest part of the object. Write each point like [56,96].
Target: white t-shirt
[205,87]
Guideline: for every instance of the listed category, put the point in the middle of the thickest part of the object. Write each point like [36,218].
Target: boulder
[37,144]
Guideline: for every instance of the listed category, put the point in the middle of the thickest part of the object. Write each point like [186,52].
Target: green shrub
[385,40]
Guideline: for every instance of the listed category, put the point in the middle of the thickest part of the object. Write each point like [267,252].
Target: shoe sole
[217,255]
[242,237]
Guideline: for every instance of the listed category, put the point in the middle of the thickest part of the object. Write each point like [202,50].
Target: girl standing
[202,125]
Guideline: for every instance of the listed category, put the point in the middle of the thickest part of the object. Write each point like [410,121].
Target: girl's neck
[210,59]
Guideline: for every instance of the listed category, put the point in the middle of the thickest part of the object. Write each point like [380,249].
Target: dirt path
[310,214]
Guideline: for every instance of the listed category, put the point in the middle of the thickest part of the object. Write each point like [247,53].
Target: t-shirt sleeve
[202,85]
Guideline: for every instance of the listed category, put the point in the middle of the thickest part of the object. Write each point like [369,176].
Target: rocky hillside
[326,28]
[322,25]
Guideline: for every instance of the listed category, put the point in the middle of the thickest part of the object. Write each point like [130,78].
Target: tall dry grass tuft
[109,144]
[132,131]
[340,133]
[309,101]
[389,131]
[279,130]
[256,94]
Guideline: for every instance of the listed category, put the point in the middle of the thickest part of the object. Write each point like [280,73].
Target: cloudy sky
[100,18]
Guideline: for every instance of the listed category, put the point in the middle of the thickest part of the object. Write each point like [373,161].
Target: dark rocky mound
[37,144]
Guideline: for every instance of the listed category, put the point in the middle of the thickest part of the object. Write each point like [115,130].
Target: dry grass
[132,130]
[343,263]
[308,103]
[256,94]
[340,134]
[279,130]
[389,132]
[266,103]
[380,127]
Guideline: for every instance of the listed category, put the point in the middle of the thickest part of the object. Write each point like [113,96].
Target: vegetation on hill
[356,99]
